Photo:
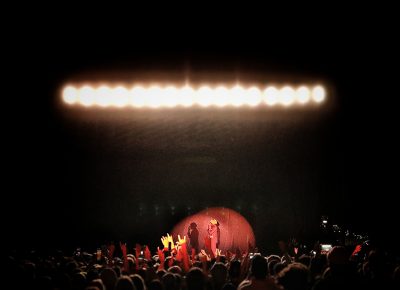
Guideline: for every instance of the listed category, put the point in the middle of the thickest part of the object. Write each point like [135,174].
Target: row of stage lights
[188,96]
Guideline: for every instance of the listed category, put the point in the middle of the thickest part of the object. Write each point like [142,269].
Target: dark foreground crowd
[114,268]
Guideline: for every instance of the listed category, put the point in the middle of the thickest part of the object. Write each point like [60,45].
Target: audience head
[109,278]
[124,283]
[259,267]
[294,277]
[219,273]
[195,279]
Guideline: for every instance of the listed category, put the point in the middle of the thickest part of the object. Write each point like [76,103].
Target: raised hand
[147,254]
[111,250]
[138,249]
[357,250]
[170,262]
[160,254]
[218,254]
[124,249]
[204,258]
[181,241]
[183,253]
[178,255]
[161,257]
[170,239]
[166,240]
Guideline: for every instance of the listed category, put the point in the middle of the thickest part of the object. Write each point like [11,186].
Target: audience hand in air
[147,253]
[123,249]
[161,256]
[166,240]
[181,241]
[111,250]
[138,249]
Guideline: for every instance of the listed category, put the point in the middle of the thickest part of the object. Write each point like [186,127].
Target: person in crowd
[124,283]
[219,274]
[174,270]
[295,276]
[259,276]
[339,274]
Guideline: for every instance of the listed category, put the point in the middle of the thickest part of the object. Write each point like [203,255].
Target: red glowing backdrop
[235,230]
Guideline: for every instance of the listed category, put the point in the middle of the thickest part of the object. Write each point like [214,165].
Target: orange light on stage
[235,231]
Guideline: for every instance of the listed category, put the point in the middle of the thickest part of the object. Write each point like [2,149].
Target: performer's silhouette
[193,234]
[213,236]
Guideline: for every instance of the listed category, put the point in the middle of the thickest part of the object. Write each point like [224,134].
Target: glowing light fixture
[186,96]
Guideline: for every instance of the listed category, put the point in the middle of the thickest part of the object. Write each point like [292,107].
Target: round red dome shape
[235,230]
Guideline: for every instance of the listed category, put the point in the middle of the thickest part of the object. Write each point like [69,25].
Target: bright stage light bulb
[169,97]
[120,97]
[137,97]
[237,96]
[204,96]
[103,96]
[303,95]
[221,97]
[318,94]
[158,96]
[86,96]
[271,96]
[186,96]
[287,96]
[253,97]
[70,95]
[154,96]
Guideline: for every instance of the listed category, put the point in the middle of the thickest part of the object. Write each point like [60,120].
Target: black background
[78,177]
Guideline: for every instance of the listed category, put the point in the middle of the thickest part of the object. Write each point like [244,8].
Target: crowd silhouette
[179,266]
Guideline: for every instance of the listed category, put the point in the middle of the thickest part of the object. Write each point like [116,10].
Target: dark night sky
[81,176]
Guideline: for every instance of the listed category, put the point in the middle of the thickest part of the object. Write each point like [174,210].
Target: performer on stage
[213,235]
[193,234]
